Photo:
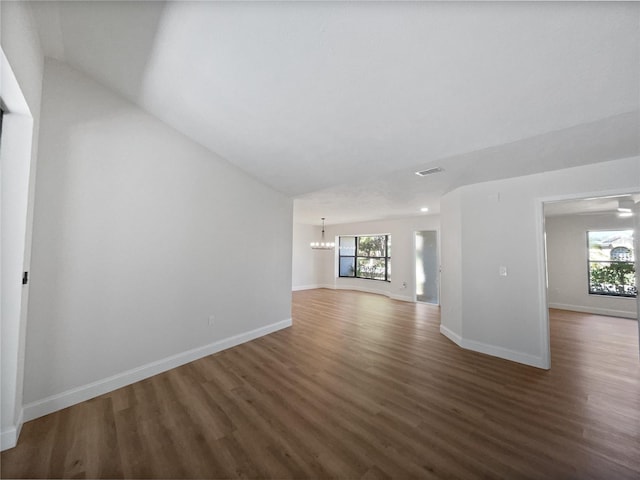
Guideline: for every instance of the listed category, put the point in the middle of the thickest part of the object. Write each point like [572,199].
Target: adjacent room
[320,239]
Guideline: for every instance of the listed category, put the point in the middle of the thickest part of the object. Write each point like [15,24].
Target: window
[611,263]
[365,257]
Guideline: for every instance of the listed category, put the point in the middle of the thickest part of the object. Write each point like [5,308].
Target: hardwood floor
[360,387]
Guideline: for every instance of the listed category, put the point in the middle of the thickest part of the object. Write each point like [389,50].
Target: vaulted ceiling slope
[316,99]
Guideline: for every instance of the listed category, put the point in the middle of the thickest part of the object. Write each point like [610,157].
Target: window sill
[608,295]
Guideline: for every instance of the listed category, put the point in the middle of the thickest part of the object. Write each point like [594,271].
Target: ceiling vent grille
[429,171]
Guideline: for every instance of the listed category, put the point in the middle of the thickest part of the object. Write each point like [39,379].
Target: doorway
[427,267]
[591,261]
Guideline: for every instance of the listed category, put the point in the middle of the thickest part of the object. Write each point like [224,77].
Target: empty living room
[309,239]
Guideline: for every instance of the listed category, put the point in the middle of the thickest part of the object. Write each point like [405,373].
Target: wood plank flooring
[360,387]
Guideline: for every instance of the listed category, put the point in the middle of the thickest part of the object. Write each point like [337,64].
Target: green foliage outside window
[615,278]
[611,263]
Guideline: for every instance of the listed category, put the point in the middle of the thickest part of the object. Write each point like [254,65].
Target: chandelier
[322,245]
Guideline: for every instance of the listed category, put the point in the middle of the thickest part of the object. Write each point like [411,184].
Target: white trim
[12,96]
[505,353]
[451,335]
[595,310]
[9,436]
[541,254]
[16,224]
[493,350]
[414,294]
[325,285]
[313,287]
[80,394]
[361,289]
[393,296]
[402,298]
[305,287]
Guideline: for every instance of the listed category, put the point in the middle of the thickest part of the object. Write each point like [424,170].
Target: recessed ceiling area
[338,104]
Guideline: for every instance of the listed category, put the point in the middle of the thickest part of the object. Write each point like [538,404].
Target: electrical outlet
[212,319]
[502,271]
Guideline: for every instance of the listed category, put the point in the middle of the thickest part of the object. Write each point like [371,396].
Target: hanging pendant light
[322,244]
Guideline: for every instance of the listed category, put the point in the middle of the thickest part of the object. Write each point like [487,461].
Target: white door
[427,269]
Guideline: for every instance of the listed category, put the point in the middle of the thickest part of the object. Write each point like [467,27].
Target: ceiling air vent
[429,171]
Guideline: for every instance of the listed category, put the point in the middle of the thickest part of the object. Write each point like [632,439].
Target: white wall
[306,262]
[140,235]
[501,225]
[451,265]
[402,233]
[567,266]
[20,89]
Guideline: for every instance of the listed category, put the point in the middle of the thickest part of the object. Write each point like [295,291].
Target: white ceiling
[337,104]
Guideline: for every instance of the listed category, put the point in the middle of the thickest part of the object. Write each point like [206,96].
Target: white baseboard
[595,310]
[402,298]
[454,337]
[312,287]
[80,394]
[493,350]
[304,287]
[505,353]
[9,436]
[393,296]
[360,289]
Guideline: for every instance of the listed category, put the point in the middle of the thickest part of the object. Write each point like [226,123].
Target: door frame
[543,281]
